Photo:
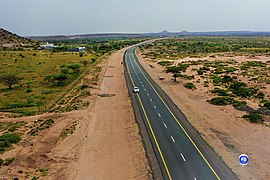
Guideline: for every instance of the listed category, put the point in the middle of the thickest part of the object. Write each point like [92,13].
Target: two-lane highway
[177,153]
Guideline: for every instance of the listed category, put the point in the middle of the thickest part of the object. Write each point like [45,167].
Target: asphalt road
[179,149]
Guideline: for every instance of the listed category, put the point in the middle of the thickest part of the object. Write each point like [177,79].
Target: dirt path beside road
[112,147]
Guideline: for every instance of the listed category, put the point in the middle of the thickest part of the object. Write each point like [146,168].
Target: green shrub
[245,92]
[8,161]
[44,172]
[230,69]
[84,86]
[249,64]
[47,92]
[1,162]
[28,90]
[267,104]
[28,113]
[189,86]
[56,79]
[73,66]
[260,95]
[64,71]
[185,76]
[219,71]
[237,103]
[221,101]
[216,80]
[253,117]
[165,63]
[172,69]
[227,79]
[200,72]
[220,92]
[10,138]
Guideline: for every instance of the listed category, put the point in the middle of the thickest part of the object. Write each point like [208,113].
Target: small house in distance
[47,46]
[77,49]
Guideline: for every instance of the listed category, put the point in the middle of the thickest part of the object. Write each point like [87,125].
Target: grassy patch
[190,86]
[44,172]
[69,130]
[220,92]
[7,140]
[165,63]
[223,101]
[253,117]
[11,126]
[34,70]
[40,125]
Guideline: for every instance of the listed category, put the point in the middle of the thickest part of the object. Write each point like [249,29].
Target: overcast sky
[53,17]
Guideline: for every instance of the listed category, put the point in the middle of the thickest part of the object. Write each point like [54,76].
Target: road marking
[155,107]
[165,125]
[183,157]
[145,89]
[159,115]
[172,139]
[150,99]
[152,132]
[194,178]
[141,82]
[147,94]
[142,85]
[177,121]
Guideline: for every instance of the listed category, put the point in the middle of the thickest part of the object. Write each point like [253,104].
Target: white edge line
[159,115]
[172,139]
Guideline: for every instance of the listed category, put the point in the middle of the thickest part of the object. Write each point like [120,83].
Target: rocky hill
[9,39]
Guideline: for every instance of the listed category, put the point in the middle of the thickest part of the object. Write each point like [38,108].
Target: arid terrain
[222,127]
[99,142]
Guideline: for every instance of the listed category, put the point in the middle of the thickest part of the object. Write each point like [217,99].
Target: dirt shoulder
[223,128]
[99,142]
[112,148]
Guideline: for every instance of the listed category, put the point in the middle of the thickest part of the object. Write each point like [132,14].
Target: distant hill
[83,36]
[164,33]
[214,33]
[9,39]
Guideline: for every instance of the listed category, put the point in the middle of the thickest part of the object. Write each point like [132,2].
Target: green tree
[56,79]
[75,68]
[175,75]
[85,62]
[9,79]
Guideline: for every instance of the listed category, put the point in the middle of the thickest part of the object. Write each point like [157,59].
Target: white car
[136,89]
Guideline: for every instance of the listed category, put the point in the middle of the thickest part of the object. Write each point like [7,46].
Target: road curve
[180,150]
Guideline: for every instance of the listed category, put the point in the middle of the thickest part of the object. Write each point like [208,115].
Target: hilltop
[9,39]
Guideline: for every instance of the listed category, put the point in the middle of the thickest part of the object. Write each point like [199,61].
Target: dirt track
[112,148]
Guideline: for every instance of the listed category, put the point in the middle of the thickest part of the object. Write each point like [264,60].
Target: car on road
[136,90]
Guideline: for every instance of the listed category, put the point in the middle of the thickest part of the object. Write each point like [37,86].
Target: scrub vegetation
[33,80]
[235,70]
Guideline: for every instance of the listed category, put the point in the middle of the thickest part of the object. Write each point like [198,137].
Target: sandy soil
[105,145]
[222,127]
[112,148]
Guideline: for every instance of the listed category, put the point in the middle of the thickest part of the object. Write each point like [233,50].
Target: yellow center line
[177,121]
[151,129]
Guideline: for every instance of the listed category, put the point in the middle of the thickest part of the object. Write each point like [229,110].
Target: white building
[47,46]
